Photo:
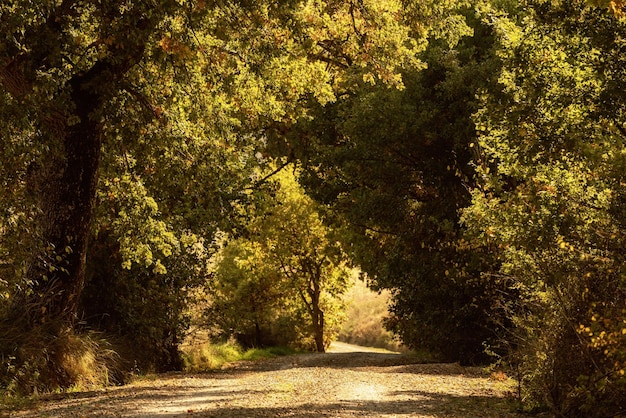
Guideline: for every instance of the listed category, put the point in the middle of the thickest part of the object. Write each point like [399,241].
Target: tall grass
[200,354]
[68,361]
[365,313]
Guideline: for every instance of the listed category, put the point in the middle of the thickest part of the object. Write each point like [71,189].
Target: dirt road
[348,382]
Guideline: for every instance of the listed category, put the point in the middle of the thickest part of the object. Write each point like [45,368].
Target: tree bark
[67,193]
[318,324]
[317,315]
[65,184]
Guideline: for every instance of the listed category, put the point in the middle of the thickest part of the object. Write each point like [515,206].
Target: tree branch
[143,101]
[328,60]
[270,175]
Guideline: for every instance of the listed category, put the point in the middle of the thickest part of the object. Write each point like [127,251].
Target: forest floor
[349,381]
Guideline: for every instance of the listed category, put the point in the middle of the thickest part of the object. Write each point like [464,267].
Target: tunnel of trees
[238,160]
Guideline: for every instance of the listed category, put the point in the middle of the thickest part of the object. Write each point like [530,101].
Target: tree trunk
[317,315]
[64,185]
[67,193]
[318,330]
[42,315]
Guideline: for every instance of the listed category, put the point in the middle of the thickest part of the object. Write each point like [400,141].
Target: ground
[349,381]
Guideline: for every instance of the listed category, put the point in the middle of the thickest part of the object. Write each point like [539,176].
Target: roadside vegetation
[227,165]
[366,312]
[206,356]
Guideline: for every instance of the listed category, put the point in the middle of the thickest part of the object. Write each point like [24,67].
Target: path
[348,382]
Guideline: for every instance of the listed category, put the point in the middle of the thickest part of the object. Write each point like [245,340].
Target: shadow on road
[421,404]
[394,363]
[429,389]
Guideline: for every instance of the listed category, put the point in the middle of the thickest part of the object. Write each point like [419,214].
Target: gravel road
[349,381]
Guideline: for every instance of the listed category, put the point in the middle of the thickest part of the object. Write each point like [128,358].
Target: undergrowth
[200,356]
[365,317]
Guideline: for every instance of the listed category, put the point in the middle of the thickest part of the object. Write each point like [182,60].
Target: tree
[247,298]
[85,81]
[60,66]
[396,165]
[309,256]
[551,200]
[288,269]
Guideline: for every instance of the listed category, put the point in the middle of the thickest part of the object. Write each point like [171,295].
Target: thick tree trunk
[40,320]
[66,182]
[67,191]
[69,126]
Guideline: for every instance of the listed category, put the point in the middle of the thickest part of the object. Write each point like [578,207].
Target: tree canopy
[117,110]
[282,281]
[396,165]
[468,156]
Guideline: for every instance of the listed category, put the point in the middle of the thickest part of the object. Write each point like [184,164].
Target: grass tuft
[203,355]
[69,361]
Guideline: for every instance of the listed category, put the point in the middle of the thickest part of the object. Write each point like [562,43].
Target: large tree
[62,64]
[151,82]
[551,200]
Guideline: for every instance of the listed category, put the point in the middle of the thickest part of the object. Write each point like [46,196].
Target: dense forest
[234,163]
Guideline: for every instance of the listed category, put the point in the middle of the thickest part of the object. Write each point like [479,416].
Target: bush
[40,363]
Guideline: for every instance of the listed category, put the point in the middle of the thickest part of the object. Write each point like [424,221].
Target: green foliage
[166,103]
[280,284]
[551,200]
[475,151]
[144,309]
[247,297]
[270,352]
[396,165]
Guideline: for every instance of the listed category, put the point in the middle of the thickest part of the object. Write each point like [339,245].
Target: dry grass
[365,314]
[67,362]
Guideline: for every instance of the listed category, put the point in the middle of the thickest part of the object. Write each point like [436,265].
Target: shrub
[40,363]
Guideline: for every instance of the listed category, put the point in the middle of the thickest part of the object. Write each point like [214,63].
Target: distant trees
[282,281]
